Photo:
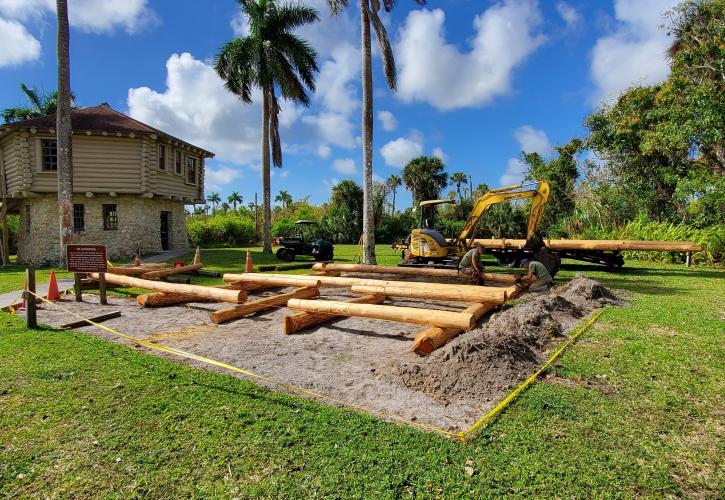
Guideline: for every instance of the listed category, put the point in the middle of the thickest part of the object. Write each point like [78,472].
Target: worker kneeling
[470,264]
[538,276]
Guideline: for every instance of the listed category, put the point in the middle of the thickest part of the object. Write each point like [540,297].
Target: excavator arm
[538,193]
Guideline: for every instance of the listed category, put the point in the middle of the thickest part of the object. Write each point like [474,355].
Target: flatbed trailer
[510,252]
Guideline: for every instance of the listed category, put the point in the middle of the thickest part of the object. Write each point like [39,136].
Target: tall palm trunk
[64,133]
[367,132]
[393,214]
[267,196]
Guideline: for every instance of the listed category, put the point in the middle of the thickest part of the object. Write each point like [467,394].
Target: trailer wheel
[508,259]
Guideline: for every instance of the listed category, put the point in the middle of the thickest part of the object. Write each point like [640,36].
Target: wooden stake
[461,320]
[31,318]
[102,288]
[300,321]
[256,306]
[78,287]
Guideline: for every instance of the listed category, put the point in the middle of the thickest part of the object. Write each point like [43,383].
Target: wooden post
[102,288]
[78,287]
[31,318]
[688,259]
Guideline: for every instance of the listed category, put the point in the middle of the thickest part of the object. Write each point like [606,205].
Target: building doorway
[165,230]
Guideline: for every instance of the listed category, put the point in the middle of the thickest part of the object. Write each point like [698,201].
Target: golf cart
[307,241]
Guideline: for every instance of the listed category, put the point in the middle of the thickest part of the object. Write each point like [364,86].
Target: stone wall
[139,222]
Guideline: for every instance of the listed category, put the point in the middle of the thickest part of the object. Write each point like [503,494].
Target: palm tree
[225,207]
[284,198]
[214,198]
[40,105]
[64,132]
[459,178]
[425,176]
[369,14]
[234,198]
[393,182]
[271,57]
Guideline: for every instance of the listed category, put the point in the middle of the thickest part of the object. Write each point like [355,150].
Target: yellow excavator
[427,246]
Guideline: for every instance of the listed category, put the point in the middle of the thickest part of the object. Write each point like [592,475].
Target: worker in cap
[471,265]
[538,276]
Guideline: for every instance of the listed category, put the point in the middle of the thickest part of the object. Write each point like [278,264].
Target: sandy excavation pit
[363,361]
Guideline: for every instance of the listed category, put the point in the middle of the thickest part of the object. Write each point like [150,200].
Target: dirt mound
[487,361]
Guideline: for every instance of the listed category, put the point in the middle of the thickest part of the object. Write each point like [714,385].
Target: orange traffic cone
[53,292]
[137,261]
[197,256]
[249,267]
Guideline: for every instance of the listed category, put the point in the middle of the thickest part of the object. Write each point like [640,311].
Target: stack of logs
[441,326]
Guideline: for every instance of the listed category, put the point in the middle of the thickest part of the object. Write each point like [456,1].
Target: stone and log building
[130,184]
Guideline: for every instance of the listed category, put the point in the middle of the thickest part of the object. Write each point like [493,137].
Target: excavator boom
[538,193]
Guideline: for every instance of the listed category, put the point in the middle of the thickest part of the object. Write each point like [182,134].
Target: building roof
[101,118]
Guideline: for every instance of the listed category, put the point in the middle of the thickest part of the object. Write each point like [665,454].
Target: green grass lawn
[634,408]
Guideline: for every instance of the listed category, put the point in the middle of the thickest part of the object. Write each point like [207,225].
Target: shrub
[220,229]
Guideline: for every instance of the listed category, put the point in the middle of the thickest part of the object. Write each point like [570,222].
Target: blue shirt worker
[538,276]
[471,265]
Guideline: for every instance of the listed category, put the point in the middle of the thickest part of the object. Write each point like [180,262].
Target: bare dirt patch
[369,362]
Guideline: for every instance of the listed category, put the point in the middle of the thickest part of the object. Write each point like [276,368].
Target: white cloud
[438,153]
[437,72]
[93,16]
[324,152]
[531,140]
[240,24]
[333,128]
[569,14]
[345,166]
[335,83]
[218,179]
[196,107]
[18,46]
[635,53]
[398,152]
[387,120]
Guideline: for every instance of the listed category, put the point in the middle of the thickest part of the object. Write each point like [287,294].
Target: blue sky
[478,80]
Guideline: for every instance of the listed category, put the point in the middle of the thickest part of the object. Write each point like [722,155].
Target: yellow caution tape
[497,409]
[462,436]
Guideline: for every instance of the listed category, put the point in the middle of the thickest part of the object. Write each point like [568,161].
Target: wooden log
[300,321]
[96,319]
[207,274]
[435,337]
[461,320]
[234,296]
[162,273]
[256,306]
[128,271]
[406,271]
[168,299]
[495,297]
[606,245]
[482,293]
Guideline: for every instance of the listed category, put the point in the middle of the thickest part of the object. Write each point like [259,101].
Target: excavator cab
[428,247]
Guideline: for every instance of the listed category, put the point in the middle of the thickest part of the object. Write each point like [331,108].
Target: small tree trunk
[64,133]
[367,132]
[393,202]
[267,197]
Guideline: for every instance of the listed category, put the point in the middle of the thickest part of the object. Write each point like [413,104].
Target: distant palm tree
[270,57]
[225,207]
[459,178]
[425,176]
[40,105]
[393,182]
[284,198]
[234,198]
[369,14]
[64,132]
[215,199]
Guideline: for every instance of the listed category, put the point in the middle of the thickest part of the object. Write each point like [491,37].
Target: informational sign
[87,258]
